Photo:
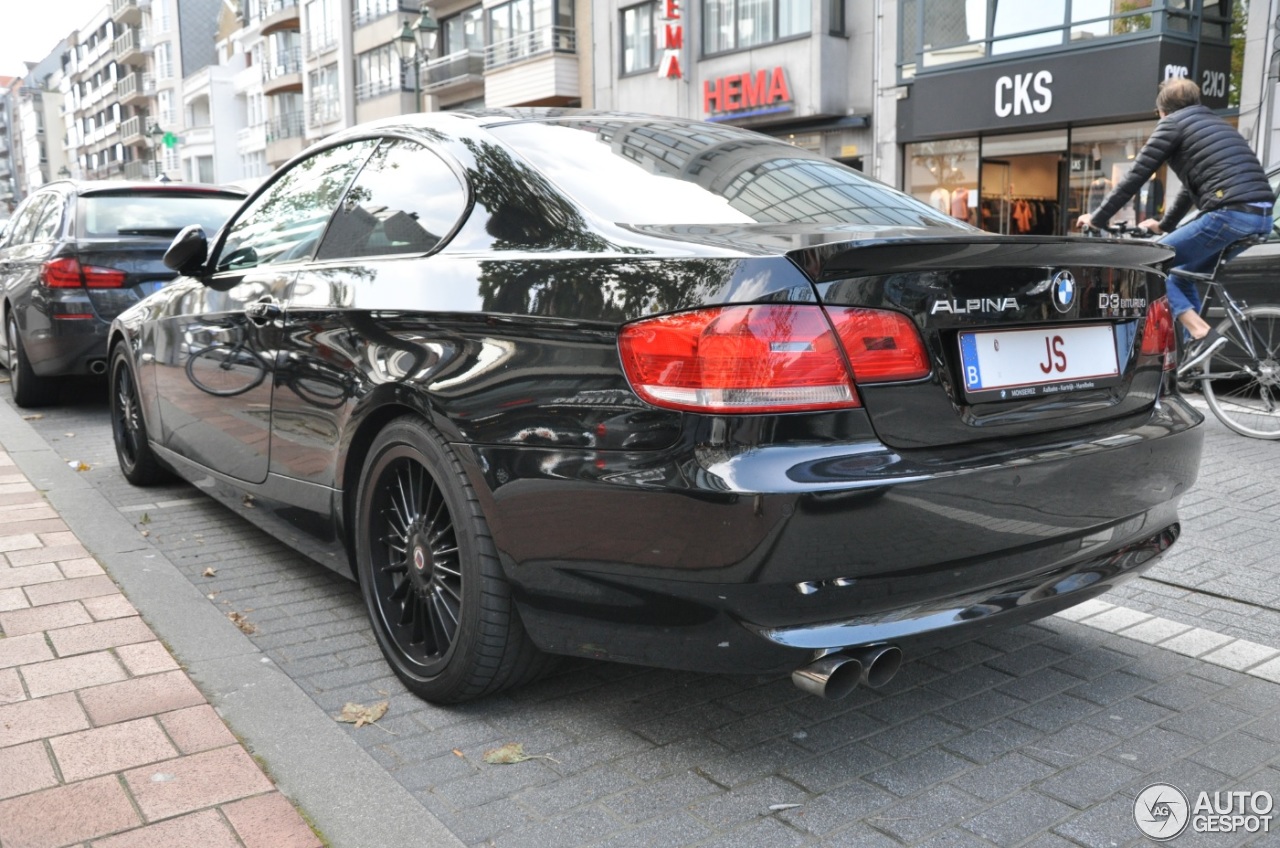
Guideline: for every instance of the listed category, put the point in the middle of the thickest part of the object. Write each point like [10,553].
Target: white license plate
[1025,363]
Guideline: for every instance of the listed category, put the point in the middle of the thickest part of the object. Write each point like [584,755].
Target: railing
[137,170]
[270,7]
[288,125]
[323,110]
[319,40]
[538,42]
[131,127]
[284,62]
[456,66]
[372,10]
[377,88]
[135,84]
[118,6]
[132,39]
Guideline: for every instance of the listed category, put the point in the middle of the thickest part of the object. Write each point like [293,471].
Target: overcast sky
[32,28]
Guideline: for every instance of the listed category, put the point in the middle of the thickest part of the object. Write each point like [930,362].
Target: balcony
[460,68]
[251,139]
[283,71]
[131,129]
[132,47]
[135,87]
[137,170]
[126,12]
[284,137]
[538,68]
[323,110]
[279,15]
[372,10]
[530,45]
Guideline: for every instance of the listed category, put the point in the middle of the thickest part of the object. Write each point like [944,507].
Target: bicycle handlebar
[1121,230]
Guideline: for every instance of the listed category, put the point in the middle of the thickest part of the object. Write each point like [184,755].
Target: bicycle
[1241,380]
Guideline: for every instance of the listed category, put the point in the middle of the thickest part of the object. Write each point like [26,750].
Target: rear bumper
[753,561]
[63,347]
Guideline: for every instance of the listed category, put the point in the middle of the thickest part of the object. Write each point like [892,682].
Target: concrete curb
[350,797]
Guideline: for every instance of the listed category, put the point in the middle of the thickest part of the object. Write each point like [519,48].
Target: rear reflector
[68,273]
[1158,336]
[72,316]
[760,358]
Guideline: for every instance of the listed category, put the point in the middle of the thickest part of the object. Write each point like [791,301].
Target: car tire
[440,607]
[138,461]
[29,389]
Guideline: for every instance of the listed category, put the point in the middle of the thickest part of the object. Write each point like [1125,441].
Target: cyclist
[1220,173]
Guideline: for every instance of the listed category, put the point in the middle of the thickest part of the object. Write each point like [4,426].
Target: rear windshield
[658,172]
[161,213]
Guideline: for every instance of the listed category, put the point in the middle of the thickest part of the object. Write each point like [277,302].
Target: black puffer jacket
[1213,161]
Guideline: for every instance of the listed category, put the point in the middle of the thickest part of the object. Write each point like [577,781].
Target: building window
[524,28]
[464,31]
[322,100]
[735,24]
[322,27]
[164,61]
[379,71]
[639,47]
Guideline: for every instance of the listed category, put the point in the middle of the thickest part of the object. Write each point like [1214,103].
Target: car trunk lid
[1025,334]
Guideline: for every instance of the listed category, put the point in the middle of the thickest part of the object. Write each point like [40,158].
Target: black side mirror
[188,252]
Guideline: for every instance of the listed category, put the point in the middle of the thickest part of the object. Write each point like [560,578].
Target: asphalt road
[1042,736]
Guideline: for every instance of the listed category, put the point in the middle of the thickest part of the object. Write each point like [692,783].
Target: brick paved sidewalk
[104,740]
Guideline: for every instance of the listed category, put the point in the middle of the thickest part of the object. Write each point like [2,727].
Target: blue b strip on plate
[969,358]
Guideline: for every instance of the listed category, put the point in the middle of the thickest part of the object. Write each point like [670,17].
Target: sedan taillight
[1159,336]
[68,273]
[767,358]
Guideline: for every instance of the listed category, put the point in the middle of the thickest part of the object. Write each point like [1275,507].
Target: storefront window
[1013,19]
[1101,157]
[944,174]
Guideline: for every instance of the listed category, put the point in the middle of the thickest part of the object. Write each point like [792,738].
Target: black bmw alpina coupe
[658,391]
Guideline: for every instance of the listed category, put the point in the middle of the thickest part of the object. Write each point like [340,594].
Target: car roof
[91,187]
[464,122]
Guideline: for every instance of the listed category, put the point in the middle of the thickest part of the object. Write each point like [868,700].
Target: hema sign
[1053,90]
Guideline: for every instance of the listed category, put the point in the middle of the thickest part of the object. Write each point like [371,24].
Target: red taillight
[882,346]
[756,359]
[68,273]
[1158,337]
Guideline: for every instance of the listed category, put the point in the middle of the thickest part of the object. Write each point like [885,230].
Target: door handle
[264,311]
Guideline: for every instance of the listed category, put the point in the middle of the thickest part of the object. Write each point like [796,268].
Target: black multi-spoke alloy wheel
[129,430]
[439,604]
[28,389]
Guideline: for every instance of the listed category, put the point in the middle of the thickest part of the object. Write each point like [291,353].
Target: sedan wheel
[439,605]
[28,389]
[137,461]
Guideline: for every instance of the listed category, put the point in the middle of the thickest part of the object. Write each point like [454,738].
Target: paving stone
[987,743]
[672,793]
[582,788]
[1207,721]
[117,747]
[71,590]
[762,833]
[146,658]
[269,821]
[39,820]
[1154,749]
[99,636]
[1196,642]
[1019,818]
[837,767]
[1089,782]
[915,773]
[39,718]
[37,619]
[140,696]
[21,650]
[911,820]
[195,781]
[64,675]
[11,688]
[196,729]
[1002,777]
[838,809]
[206,829]
[742,767]
[25,768]
[1240,655]
[1155,630]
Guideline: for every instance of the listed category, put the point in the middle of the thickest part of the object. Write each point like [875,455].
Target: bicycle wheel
[225,370]
[1244,391]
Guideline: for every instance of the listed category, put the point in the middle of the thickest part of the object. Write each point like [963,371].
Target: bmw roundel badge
[1064,290]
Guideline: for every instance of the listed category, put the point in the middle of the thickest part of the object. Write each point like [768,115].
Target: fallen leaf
[247,502]
[145,519]
[512,752]
[83,466]
[36,417]
[458,753]
[209,572]
[243,623]
[773,808]
[360,715]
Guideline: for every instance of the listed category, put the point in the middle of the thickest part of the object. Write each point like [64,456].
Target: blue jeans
[1197,245]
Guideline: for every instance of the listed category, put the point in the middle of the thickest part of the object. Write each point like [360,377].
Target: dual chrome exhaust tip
[836,675]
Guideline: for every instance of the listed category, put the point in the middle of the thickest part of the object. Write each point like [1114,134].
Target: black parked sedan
[75,256]
[661,392]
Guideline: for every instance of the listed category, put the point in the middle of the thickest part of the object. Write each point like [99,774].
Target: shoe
[1201,349]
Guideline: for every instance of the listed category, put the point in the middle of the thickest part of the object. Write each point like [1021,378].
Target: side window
[49,225]
[286,221]
[404,201]
[24,220]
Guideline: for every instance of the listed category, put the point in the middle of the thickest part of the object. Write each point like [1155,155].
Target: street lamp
[157,138]
[64,172]
[417,41]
